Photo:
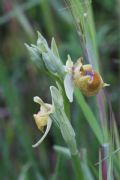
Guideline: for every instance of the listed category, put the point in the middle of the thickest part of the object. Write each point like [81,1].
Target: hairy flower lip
[88,73]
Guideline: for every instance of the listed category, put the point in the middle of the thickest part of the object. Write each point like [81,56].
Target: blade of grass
[89,116]
[104,153]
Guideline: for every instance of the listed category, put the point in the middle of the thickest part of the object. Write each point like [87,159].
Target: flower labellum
[42,118]
[86,79]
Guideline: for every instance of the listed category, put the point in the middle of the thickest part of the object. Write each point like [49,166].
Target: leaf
[69,88]
[93,123]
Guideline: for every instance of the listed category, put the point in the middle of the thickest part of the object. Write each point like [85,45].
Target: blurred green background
[20,81]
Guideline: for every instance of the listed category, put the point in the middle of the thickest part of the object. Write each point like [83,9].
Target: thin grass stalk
[101,102]
[104,166]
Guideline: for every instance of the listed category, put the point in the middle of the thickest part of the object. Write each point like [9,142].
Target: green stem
[77,166]
[67,131]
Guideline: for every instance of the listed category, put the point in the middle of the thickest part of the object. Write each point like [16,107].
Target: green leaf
[89,116]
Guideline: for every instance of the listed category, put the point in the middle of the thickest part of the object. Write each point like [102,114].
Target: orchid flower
[42,118]
[82,76]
